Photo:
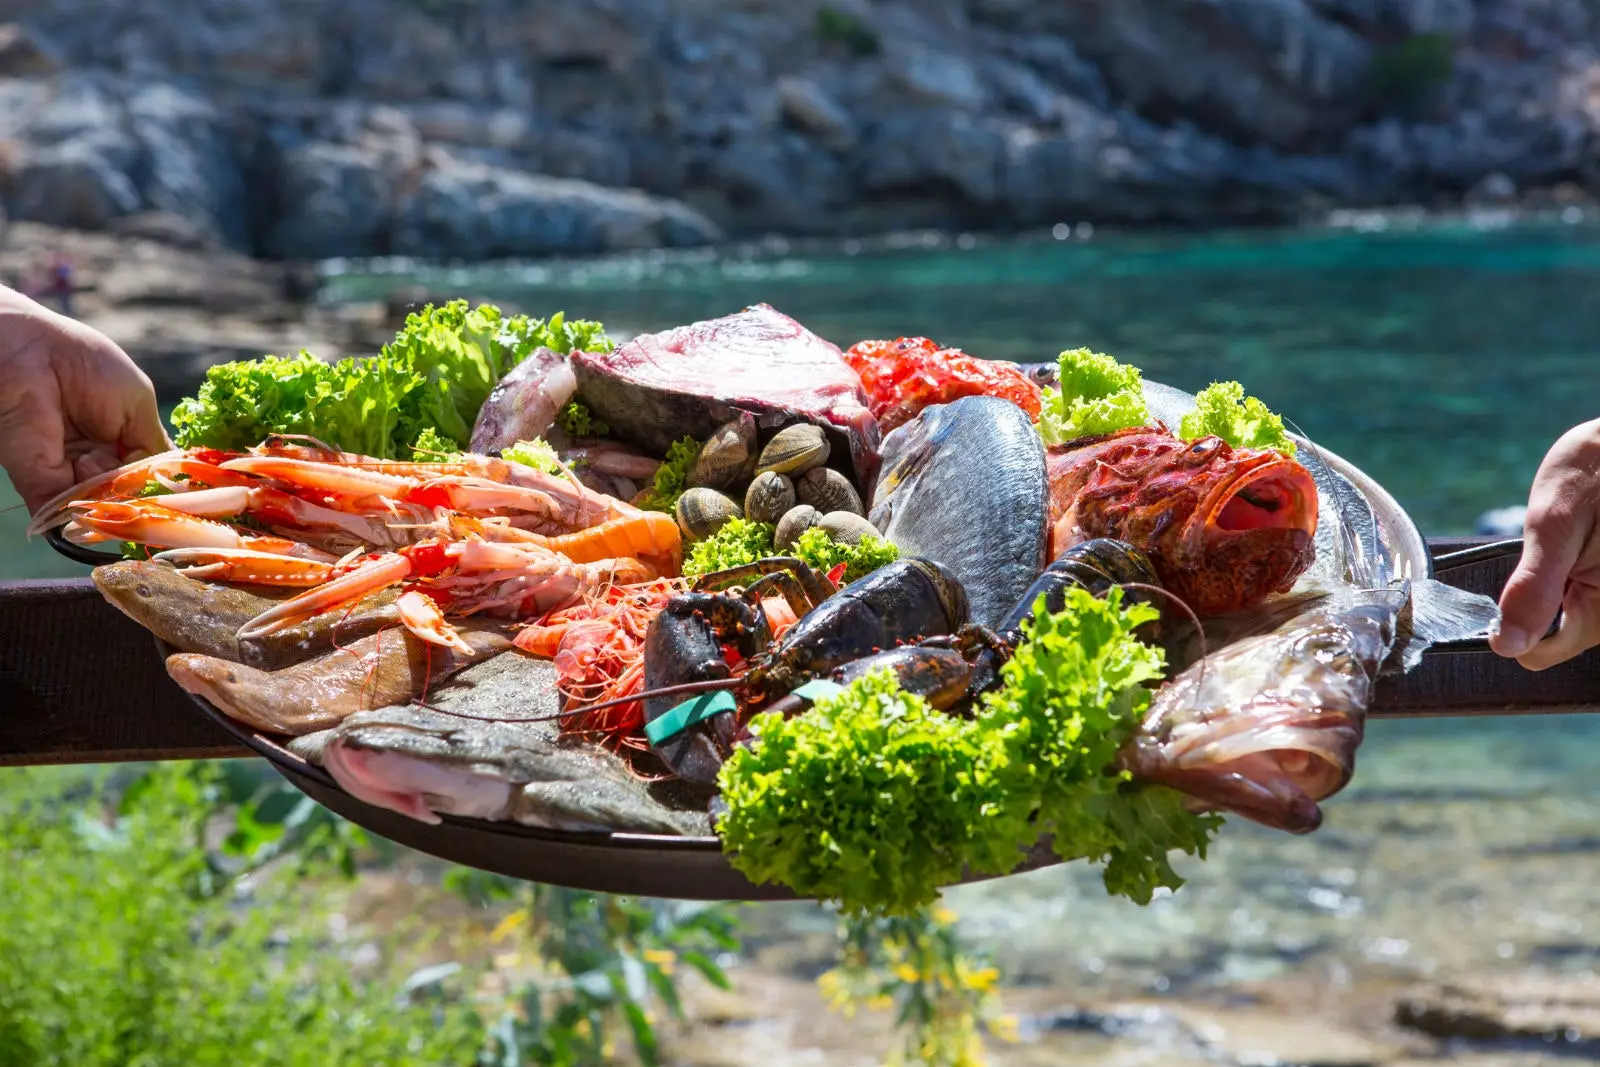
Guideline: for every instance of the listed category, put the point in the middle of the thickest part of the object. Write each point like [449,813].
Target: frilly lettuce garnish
[536,453]
[672,477]
[822,553]
[1222,409]
[578,421]
[1096,395]
[873,799]
[434,375]
[740,541]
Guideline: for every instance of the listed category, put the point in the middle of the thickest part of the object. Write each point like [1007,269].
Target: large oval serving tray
[652,865]
[689,868]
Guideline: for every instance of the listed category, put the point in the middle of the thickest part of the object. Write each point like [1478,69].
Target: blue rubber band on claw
[818,688]
[682,716]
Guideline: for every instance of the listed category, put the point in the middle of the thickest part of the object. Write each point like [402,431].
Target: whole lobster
[910,616]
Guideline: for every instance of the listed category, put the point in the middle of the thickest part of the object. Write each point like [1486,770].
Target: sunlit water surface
[1443,362]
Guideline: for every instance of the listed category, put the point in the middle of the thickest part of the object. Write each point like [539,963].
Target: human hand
[1560,566]
[72,404]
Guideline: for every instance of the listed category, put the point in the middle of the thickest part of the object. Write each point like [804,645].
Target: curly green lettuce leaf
[536,453]
[578,421]
[1069,699]
[672,477]
[434,375]
[432,448]
[822,553]
[740,541]
[1096,395]
[874,800]
[865,800]
[1222,410]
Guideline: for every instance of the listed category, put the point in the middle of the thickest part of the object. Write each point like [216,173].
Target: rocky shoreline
[301,129]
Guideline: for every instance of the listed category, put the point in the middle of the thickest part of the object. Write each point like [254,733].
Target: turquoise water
[1443,362]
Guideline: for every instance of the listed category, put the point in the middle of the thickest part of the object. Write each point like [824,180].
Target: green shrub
[1405,72]
[123,943]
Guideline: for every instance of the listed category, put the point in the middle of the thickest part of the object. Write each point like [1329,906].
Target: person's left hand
[1560,565]
[72,403]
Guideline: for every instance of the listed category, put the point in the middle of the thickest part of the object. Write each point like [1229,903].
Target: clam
[794,450]
[796,521]
[726,456]
[701,512]
[828,490]
[768,498]
[846,527]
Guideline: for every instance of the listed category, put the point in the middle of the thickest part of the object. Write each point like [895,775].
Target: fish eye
[1204,445]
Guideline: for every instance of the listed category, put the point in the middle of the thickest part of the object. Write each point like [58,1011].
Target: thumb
[33,445]
[1532,595]
[1579,632]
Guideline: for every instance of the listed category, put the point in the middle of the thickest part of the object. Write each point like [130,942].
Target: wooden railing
[81,683]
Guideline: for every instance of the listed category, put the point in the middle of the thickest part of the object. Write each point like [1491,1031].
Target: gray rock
[1503,522]
[933,149]
[809,106]
[71,184]
[934,77]
[188,166]
[466,209]
[1258,70]
[23,55]
[333,200]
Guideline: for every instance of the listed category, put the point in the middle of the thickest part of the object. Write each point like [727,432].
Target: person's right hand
[1560,566]
[72,403]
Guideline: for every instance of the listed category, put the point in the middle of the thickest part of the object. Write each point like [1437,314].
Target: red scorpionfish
[1224,527]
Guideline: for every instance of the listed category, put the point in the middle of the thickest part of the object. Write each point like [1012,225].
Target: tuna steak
[689,380]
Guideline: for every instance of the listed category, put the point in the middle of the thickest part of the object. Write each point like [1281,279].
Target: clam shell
[796,521]
[829,490]
[701,512]
[794,450]
[847,527]
[768,498]
[726,456]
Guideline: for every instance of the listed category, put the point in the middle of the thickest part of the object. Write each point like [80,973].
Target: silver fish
[426,763]
[964,484]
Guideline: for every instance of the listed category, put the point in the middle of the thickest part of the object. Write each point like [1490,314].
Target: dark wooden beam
[81,683]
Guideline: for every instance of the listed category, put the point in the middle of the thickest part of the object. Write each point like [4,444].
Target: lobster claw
[684,644]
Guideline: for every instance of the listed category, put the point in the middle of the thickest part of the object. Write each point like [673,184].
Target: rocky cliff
[478,128]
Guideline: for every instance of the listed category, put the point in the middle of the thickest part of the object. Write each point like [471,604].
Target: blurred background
[1376,214]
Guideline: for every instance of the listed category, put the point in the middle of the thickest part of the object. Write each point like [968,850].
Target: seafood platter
[732,612]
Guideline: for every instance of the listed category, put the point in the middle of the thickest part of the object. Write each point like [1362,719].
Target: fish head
[1272,761]
[1251,532]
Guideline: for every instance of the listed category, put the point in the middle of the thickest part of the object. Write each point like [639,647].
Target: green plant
[604,964]
[1405,72]
[945,994]
[841,27]
[126,942]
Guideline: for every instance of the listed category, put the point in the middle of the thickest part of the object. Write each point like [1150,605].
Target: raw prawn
[149,522]
[598,649]
[197,466]
[463,577]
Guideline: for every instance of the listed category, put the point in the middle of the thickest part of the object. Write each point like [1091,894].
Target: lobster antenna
[1187,610]
[706,686]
